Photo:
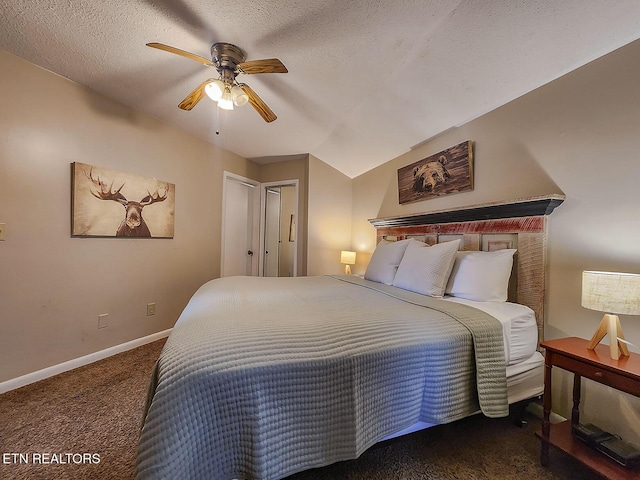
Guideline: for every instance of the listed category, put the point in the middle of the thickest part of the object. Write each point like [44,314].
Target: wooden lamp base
[610,324]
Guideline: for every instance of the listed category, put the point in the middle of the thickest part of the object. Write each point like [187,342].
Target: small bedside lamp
[348,258]
[613,293]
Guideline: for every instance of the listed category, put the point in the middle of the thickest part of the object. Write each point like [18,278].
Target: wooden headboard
[520,224]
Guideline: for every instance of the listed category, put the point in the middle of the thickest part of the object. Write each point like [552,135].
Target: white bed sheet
[526,379]
[518,324]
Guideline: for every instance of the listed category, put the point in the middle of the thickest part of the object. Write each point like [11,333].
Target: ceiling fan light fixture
[229,61]
[214,90]
[240,98]
[226,102]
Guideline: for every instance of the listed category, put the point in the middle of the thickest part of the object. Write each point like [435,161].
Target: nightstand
[571,354]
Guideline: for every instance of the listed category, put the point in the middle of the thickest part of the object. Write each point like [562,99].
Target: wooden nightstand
[571,354]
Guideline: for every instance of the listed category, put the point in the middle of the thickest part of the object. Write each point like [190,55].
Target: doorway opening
[259,227]
[279,208]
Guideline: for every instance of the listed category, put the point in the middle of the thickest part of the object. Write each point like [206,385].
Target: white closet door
[241,203]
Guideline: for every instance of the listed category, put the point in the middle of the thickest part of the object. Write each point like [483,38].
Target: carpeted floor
[97,409]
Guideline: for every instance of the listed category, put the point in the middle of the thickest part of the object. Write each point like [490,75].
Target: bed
[265,377]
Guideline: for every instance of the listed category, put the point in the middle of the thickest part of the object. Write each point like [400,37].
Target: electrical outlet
[151,309]
[3,230]
[103,320]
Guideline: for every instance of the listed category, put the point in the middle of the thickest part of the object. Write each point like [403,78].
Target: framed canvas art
[446,172]
[109,203]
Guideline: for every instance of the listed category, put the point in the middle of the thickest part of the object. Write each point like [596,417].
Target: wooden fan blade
[195,96]
[257,103]
[268,65]
[177,51]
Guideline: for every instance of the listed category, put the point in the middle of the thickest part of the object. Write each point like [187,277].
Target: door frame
[263,210]
[255,240]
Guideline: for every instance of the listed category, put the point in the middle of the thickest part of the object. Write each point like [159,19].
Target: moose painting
[449,171]
[108,203]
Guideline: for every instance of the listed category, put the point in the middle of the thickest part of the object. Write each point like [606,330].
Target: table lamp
[348,258]
[612,293]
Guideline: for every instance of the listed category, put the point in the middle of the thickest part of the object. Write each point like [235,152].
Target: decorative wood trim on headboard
[527,207]
[526,218]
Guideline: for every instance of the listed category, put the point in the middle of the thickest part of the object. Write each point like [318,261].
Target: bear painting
[449,171]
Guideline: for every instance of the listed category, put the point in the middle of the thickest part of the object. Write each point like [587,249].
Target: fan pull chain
[221,123]
[217,120]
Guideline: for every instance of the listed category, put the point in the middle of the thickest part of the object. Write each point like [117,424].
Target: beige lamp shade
[348,258]
[611,293]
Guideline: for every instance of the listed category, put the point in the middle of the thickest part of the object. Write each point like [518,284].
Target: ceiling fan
[229,61]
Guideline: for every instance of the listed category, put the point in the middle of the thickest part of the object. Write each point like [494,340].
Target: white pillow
[385,260]
[426,269]
[481,276]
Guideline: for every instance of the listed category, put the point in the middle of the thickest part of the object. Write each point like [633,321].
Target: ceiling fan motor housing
[226,56]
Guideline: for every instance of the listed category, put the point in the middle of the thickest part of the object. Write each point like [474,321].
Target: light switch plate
[3,229]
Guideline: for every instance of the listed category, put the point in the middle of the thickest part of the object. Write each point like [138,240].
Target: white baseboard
[79,362]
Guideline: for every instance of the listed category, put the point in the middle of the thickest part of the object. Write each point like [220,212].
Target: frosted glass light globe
[214,90]
[240,98]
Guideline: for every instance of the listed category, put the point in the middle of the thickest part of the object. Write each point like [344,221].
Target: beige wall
[52,286]
[330,218]
[579,136]
[324,211]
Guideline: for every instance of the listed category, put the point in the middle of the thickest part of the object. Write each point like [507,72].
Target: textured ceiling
[367,79]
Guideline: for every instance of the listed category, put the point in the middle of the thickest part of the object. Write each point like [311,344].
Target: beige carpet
[96,410]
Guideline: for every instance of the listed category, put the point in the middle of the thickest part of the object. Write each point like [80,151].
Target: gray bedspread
[264,377]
